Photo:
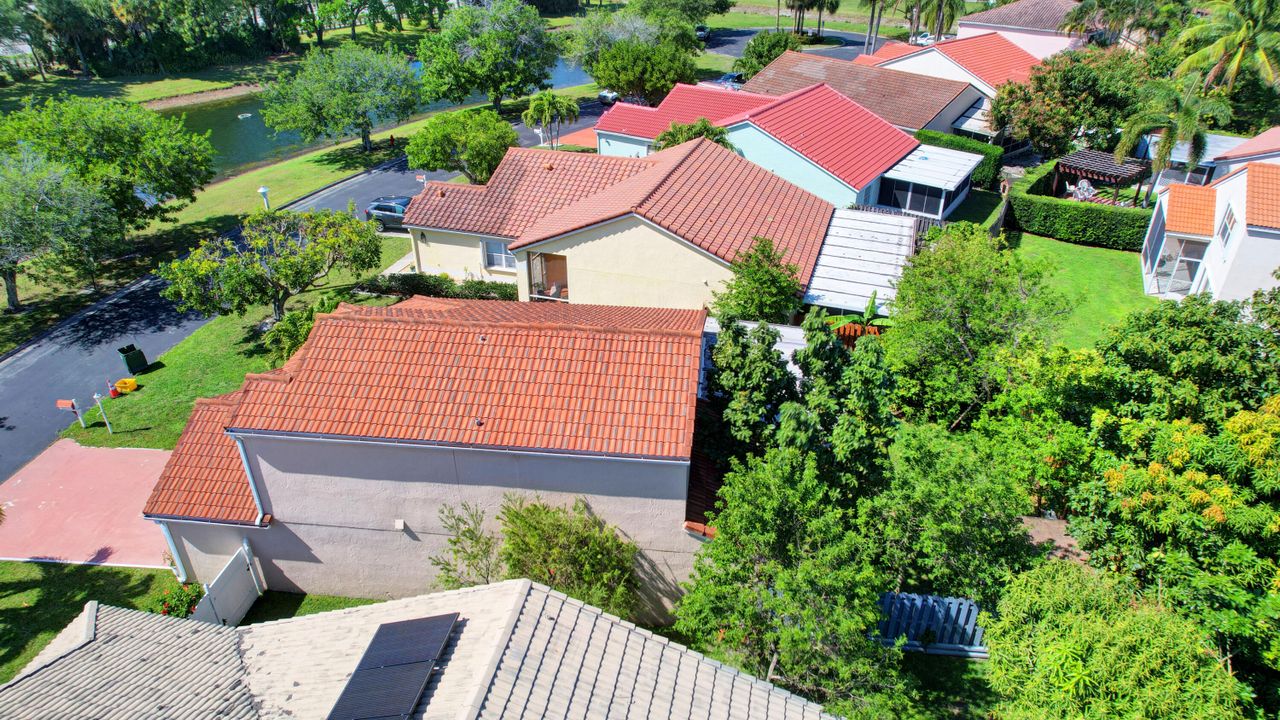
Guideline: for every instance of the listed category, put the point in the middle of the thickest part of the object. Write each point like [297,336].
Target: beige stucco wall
[335,506]
[460,256]
[630,262]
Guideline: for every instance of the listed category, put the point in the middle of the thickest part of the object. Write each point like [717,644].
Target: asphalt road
[79,357]
[734,42]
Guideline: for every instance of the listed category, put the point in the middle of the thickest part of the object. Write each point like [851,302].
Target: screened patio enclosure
[1170,261]
[930,181]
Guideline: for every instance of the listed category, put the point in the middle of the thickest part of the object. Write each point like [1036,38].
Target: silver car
[387,212]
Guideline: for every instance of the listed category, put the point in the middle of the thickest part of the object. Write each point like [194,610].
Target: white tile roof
[1214,146]
[935,166]
[864,251]
[518,650]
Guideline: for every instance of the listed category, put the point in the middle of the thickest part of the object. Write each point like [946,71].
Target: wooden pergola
[1100,167]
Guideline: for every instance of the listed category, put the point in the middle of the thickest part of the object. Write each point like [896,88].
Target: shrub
[763,49]
[571,550]
[764,286]
[180,602]
[408,284]
[287,335]
[1106,226]
[987,174]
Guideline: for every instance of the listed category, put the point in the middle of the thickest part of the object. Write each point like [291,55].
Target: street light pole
[263,190]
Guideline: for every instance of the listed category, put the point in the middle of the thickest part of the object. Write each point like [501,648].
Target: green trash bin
[134,359]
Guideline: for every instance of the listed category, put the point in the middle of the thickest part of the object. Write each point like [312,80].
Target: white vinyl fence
[232,593]
[932,624]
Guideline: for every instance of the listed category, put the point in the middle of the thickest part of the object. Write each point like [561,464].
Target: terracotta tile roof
[904,99]
[888,51]
[836,133]
[586,137]
[990,57]
[1262,200]
[528,185]
[684,104]
[481,373]
[1024,14]
[710,197]
[1264,143]
[1191,209]
[204,478]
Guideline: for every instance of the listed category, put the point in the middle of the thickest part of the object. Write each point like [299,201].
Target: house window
[1227,226]
[497,256]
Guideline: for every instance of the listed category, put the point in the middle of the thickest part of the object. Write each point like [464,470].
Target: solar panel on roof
[392,674]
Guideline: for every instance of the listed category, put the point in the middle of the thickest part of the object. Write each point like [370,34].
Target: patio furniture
[1088,167]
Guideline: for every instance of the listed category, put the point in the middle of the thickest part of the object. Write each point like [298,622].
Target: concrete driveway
[83,505]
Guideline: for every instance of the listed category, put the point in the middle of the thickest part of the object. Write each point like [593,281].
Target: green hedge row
[1107,226]
[407,284]
[987,175]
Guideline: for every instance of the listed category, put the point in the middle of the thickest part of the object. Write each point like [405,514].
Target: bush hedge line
[987,175]
[1107,226]
[407,284]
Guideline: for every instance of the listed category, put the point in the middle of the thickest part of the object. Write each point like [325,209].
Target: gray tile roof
[131,664]
[1024,14]
[519,650]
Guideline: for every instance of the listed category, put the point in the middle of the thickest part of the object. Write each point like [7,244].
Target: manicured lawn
[37,600]
[980,207]
[951,687]
[1103,285]
[275,605]
[213,361]
[745,20]
[713,65]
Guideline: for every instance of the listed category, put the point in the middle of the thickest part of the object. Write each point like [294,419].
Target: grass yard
[213,361]
[712,65]
[950,687]
[745,20]
[274,605]
[980,207]
[37,600]
[1103,285]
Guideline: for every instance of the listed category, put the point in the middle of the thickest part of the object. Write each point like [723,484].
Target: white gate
[232,593]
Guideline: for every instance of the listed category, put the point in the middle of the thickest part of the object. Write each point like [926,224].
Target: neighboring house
[815,137]
[1222,238]
[1206,171]
[657,231]
[1032,25]
[514,649]
[1264,147]
[985,61]
[906,100]
[334,468]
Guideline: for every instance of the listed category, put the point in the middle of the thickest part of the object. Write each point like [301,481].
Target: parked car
[608,97]
[702,32]
[387,212]
[732,80]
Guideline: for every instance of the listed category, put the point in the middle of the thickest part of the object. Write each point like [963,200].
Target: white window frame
[506,258]
[1227,227]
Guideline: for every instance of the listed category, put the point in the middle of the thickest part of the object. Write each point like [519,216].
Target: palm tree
[1116,18]
[546,112]
[1237,35]
[944,13]
[1181,114]
[830,7]
[878,9]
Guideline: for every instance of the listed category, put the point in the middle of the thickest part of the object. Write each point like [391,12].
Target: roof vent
[440,192]
[479,422]
[482,338]
[549,166]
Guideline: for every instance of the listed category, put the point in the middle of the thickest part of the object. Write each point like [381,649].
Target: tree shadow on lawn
[60,592]
[354,159]
[951,687]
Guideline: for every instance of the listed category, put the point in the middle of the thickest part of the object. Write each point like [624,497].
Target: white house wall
[620,145]
[335,504]
[764,150]
[954,109]
[1041,43]
[934,64]
[1223,168]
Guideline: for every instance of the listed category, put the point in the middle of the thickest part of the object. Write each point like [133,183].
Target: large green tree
[280,254]
[643,70]
[337,93]
[472,142]
[764,286]
[690,12]
[51,219]
[965,303]
[1237,35]
[500,49]
[764,48]
[747,385]
[1069,642]
[145,164]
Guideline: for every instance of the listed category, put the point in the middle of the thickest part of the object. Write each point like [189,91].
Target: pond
[242,140]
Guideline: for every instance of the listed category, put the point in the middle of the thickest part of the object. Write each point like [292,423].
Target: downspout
[248,473]
[178,568]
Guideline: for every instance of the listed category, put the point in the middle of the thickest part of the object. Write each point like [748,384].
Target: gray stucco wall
[335,505]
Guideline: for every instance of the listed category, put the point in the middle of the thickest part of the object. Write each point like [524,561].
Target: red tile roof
[710,197]
[887,51]
[1024,15]
[1262,144]
[1262,199]
[204,478]
[684,104]
[1191,209]
[905,99]
[480,373]
[839,135]
[991,57]
[699,191]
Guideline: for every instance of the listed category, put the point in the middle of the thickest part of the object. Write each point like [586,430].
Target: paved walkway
[83,505]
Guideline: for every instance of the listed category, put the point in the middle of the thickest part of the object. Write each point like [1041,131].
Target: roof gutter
[248,472]
[238,433]
[179,568]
